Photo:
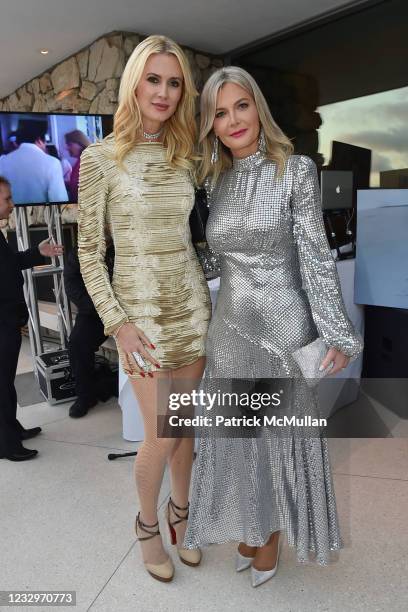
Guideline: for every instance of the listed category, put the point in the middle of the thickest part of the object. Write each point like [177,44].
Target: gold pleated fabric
[157,282]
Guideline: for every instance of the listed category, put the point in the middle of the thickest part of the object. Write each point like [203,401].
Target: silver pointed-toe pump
[258,577]
[242,563]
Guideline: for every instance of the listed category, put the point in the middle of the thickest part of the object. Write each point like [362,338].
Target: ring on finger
[139,359]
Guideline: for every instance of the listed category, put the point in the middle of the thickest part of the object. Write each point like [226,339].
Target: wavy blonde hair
[180,130]
[278,145]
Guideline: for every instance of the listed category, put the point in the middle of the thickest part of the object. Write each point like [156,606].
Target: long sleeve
[92,200]
[22,259]
[318,269]
[209,259]
[29,258]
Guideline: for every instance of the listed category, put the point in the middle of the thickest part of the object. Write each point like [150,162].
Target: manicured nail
[142,374]
[152,346]
[157,365]
[151,375]
[321,368]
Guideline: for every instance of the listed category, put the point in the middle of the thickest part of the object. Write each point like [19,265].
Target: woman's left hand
[339,359]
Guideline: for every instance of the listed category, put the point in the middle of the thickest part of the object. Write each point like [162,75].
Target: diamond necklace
[153,136]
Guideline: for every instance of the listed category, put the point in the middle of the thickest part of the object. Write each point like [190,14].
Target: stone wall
[88,82]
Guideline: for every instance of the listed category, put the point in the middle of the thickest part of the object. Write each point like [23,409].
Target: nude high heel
[163,571]
[191,557]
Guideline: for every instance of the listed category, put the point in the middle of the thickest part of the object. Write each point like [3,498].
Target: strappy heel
[163,571]
[191,557]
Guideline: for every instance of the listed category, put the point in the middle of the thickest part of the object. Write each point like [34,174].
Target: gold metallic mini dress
[157,281]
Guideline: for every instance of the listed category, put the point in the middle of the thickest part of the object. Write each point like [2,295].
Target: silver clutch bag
[309,359]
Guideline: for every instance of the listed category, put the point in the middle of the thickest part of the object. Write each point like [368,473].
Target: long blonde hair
[180,130]
[278,145]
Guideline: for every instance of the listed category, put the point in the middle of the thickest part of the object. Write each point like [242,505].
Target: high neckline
[147,150]
[243,164]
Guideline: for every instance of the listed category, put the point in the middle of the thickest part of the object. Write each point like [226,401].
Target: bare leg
[265,558]
[247,551]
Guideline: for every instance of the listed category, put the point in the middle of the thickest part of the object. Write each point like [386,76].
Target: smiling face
[236,121]
[159,90]
[6,203]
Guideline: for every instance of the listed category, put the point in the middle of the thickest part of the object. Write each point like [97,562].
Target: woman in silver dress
[279,291]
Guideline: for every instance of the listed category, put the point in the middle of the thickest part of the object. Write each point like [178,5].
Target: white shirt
[35,176]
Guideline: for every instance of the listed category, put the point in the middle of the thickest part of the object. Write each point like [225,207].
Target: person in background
[13,316]
[35,176]
[65,165]
[76,142]
[12,142]
[86,337]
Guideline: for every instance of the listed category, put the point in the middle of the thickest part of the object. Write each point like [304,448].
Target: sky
[378,122]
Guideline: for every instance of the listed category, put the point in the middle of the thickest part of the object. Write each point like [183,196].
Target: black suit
[87,334]
[13,315]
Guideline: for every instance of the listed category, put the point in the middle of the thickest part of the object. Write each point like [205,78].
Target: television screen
[40,154]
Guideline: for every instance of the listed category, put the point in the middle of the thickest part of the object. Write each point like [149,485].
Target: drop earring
[262,141]
[214,153]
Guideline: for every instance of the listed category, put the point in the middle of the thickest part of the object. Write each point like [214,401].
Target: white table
[339,392]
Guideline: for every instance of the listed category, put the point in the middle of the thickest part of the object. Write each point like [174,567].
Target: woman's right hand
[131,339]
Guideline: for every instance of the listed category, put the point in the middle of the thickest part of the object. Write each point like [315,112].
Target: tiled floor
[67,524]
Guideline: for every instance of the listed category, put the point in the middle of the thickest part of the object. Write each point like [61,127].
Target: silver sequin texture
[279,289]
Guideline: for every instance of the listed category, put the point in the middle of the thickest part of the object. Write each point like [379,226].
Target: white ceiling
[65,26]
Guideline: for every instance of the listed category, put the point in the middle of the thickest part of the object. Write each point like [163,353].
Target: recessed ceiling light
[44,51]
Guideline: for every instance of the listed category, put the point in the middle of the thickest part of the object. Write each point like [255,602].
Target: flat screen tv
[40,153]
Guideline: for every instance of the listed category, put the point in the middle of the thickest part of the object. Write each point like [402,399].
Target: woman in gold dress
[138,182]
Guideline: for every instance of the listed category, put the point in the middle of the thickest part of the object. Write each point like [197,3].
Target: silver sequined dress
[279,290]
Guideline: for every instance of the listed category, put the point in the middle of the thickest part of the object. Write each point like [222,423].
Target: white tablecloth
[341,390]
